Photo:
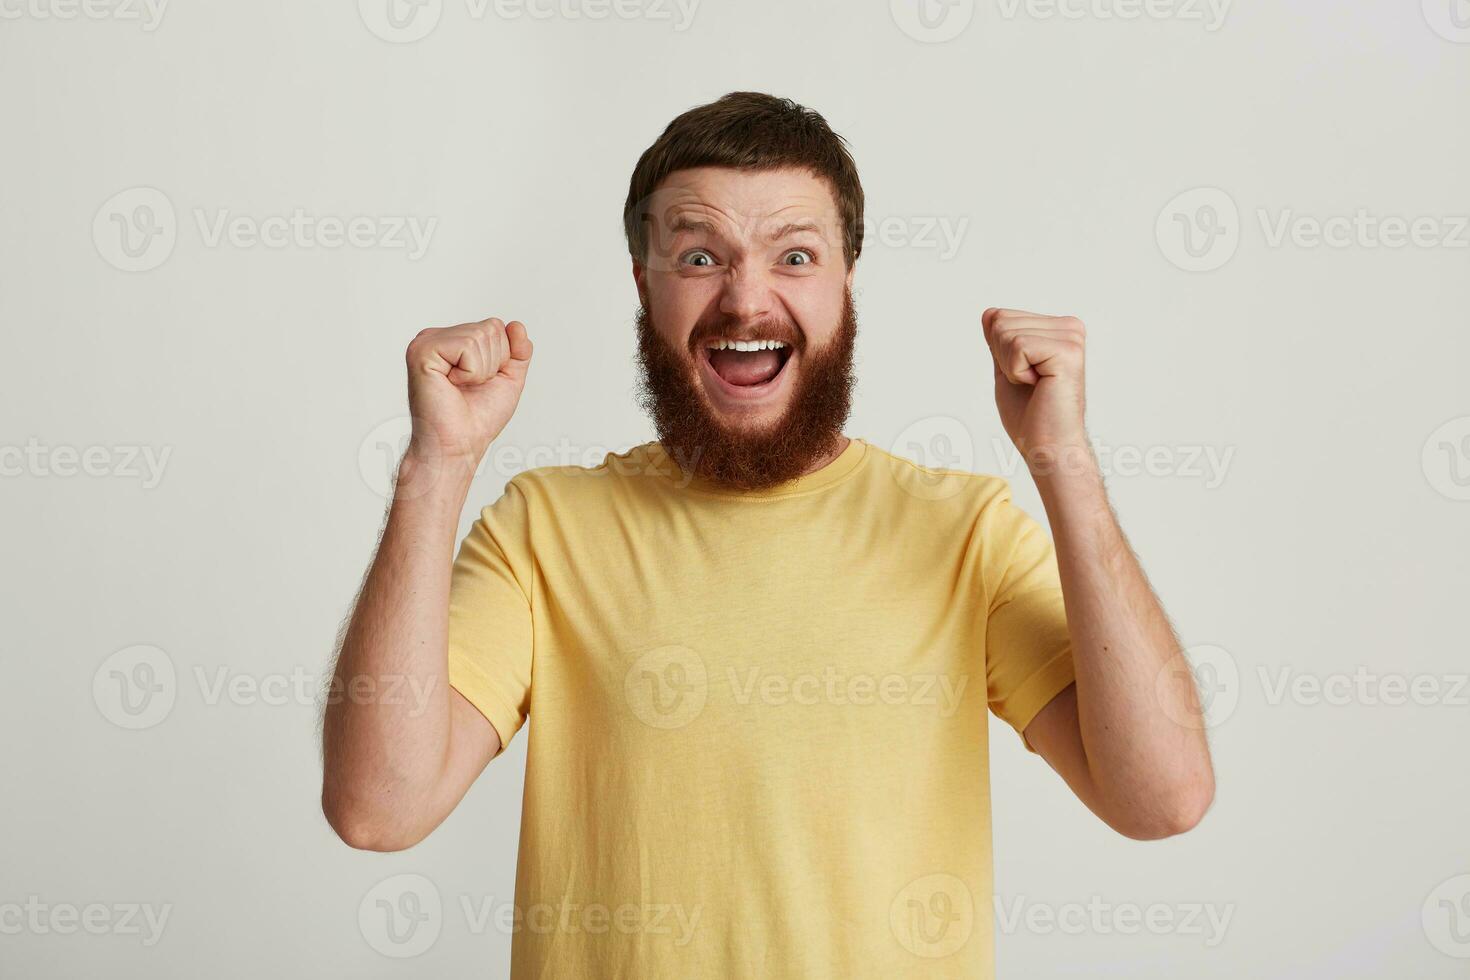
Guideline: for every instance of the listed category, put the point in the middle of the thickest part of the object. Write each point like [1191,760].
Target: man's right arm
[400,746]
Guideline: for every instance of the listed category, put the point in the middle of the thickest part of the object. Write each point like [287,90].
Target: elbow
[361,831]
[1178,813]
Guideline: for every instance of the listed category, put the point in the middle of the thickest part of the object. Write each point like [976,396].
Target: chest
[757,629]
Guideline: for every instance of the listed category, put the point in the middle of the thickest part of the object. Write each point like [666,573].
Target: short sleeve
[490,633]
[1028,649]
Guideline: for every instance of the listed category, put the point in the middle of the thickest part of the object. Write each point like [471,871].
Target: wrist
[1074,497]
[1068,467]
[1063,457]
[430,475]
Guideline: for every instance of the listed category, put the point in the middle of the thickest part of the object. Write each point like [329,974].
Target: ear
[640,281]
[850,270]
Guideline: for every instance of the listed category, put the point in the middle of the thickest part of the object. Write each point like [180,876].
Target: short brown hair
[748,131]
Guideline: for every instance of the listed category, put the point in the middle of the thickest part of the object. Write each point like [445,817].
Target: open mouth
[746,365]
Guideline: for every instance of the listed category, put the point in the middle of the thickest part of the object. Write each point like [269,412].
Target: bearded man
[758,653]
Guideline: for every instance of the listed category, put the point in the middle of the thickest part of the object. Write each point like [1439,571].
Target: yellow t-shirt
[759,745]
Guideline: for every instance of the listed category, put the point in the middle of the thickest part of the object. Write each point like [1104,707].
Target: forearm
[1138,712]
[387,726]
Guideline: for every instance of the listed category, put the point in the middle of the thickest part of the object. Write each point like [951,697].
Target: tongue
[745,367]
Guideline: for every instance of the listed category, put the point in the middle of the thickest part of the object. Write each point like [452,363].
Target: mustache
[719,324]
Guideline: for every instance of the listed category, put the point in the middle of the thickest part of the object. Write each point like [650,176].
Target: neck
[838,447]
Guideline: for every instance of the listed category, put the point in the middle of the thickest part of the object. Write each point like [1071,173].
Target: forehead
[744,198]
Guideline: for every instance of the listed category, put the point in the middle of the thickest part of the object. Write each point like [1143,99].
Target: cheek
[674,312]
[816,312]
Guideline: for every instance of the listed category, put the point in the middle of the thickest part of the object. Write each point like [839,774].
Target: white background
[1056,141]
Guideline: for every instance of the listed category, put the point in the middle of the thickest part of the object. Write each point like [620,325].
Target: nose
[746,296]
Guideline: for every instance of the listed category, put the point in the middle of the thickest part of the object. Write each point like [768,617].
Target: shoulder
[615,473]
[945,488]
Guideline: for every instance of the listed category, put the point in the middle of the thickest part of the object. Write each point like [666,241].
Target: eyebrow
[793,227]
[687,223]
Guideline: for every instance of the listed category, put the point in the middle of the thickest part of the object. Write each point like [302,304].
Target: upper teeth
[723,344]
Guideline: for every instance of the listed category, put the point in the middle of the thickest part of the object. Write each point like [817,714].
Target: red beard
[755,459]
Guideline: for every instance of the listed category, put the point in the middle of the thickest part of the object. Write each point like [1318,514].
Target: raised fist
[463,386]
[1039,388]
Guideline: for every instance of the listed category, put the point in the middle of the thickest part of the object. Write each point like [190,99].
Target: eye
[798,253]
[694,257]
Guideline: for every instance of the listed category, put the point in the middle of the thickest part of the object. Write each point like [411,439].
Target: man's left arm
[1126,736]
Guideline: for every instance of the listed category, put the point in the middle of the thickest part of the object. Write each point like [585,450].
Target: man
[758,653]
